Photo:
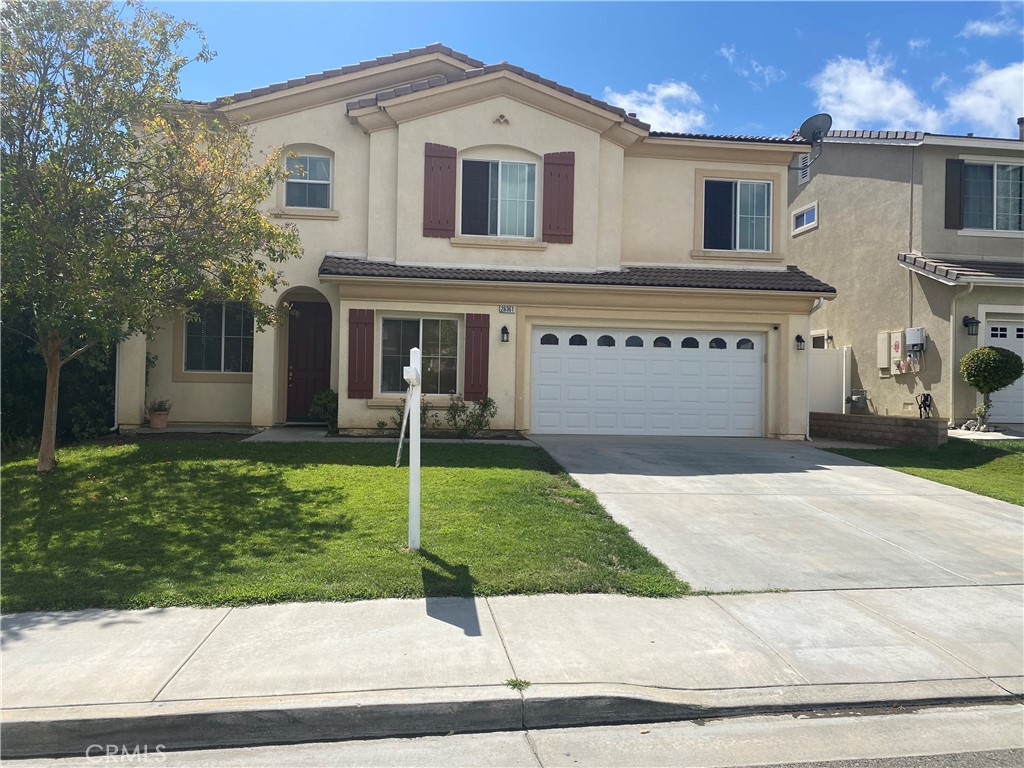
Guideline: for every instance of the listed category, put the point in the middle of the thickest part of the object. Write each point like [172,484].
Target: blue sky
[727,67]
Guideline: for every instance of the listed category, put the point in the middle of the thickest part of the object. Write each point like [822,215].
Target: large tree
[121,203]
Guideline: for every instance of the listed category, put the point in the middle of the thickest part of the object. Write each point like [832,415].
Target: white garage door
[1007,404]
[629,382]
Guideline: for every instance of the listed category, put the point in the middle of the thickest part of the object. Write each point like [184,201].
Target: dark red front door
[309,355]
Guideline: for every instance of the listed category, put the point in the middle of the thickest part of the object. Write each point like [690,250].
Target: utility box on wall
[897,350]
[882,353]
[917,339]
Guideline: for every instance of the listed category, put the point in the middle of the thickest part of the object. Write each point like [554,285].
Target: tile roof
[965,270]
[790,279]
[791,139]
[438,80]
[348,69]
[878,135]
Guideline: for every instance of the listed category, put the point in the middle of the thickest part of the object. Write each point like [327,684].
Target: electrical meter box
[882,353]
[916,339]
[897,350]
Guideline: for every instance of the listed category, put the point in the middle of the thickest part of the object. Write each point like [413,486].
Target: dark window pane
[719,215]
[391,379]
[717,343]
[662,342]
[606,341]
[689,343]
[431,342]
[448,338]
[634,341]
[549,339]
[746,344]
[578,340]
[233,354]
[817,342]
[295,194]
[318,196]
[476,182]
[448,377]
[978,197]
[203,338]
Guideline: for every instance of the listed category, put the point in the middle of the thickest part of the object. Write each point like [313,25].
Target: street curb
[210,723]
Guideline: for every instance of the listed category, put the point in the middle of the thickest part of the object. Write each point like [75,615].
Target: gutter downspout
[952,351]
[818,304]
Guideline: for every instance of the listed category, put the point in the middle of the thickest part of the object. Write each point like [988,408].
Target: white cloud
[770,73]
[727,52]
[916,44]
[861,93]
[671,106]
[990,103]
[1006,22]
[750,68]
[940,81]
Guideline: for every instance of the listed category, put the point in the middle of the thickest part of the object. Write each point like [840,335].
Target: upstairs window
[737,215]
[806,218]
[499,198]
[218,338]
[993,196]
[309,182]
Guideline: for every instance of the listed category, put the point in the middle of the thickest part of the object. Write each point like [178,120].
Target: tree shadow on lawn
[446,591]
[138,530]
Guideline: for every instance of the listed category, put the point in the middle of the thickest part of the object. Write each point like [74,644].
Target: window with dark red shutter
[478,338]
[360,353]
[559,181]
[439,191]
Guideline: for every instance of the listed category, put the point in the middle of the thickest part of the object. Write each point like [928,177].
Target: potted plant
[158,410]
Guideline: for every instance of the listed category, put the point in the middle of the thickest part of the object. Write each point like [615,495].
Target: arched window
[717,343]
[744,344]
[634,341]
[578,340]
[309,177]
[690,343]
[662,342]
[549,340]
[606,341]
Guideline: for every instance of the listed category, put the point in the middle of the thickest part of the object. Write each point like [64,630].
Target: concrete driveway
[754,514]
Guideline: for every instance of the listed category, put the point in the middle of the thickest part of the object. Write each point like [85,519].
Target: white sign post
[412,409]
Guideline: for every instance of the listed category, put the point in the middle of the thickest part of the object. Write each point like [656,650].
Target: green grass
[220,522]
[992,468]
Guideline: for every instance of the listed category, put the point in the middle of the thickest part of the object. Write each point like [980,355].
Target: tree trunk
[48,440]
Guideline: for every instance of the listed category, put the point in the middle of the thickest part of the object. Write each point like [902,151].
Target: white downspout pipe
[952,351]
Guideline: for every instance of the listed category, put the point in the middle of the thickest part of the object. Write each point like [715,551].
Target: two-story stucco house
[916,231]
[540,247]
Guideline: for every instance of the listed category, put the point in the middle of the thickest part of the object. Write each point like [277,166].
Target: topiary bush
[989,369]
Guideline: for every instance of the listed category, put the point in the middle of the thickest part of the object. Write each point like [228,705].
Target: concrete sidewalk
[189,678]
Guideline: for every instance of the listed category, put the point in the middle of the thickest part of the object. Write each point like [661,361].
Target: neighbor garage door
[1007,404]
[615,381]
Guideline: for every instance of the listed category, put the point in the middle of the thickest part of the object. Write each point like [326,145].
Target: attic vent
[805,169]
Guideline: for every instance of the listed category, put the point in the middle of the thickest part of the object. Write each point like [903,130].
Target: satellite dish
[814,129]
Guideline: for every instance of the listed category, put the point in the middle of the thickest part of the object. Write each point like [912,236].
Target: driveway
[753,514]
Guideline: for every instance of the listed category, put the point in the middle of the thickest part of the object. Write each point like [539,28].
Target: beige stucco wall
[875,201]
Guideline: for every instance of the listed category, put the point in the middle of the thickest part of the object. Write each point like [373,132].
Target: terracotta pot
[158,419]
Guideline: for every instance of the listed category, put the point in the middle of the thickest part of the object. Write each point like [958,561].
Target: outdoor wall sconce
[971,324]
[504,333]
[800,343]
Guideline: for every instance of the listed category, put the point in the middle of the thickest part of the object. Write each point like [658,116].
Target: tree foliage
[122,203]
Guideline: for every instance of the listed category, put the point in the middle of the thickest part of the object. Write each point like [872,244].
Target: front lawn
[991,467]
[221,522]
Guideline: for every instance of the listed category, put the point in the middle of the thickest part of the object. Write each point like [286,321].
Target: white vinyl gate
[615,381]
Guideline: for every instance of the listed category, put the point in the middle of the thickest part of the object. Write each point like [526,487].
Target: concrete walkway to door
[754,514]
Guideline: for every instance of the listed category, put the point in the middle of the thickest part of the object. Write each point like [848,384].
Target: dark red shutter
[439,191]
[478,341]
[954,194]
[559,179]
[360,353]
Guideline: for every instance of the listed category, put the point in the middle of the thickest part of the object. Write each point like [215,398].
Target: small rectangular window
[219,338]
[309,182]
[737,215]
[499,198]
[993,196]
[805,219]
[438,341]
[998,332]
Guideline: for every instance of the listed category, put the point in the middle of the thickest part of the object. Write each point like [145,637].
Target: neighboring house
[915,230]
[540,247]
